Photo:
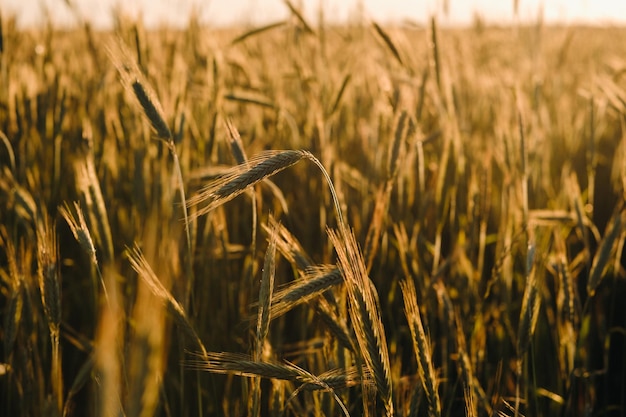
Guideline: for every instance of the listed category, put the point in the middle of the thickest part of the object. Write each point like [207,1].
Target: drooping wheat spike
[238,179]
[365,314]
[421,347]
[244,365]
[314,282]
[258,168]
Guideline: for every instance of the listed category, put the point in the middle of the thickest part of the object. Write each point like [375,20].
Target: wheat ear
[421,347]
[365,314]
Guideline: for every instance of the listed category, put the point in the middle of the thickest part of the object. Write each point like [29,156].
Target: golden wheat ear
[421,347]
[134,80]
[365,314]
[243,176]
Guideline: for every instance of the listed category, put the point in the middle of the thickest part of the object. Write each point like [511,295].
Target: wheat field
[312,220]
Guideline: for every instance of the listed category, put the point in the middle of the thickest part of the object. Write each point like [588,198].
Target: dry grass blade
[143,268]
[388,42]
[421,347]
[249,99]
[243,176]
[257,31]
[340,93]
[365,314]
[300,17]
[607,247]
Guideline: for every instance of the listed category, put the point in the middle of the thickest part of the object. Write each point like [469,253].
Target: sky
[233,12]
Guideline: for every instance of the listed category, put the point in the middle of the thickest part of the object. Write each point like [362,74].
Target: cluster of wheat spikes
[302,220]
